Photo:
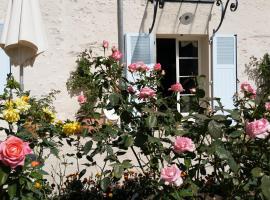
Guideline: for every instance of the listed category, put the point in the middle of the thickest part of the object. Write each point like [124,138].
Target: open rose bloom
[157,67]
[171,175]
[13,152]
[146,93]
[183,144]
[246,87]
[177,87]
[258,128]
[116,55]
[82,99]
[267,106]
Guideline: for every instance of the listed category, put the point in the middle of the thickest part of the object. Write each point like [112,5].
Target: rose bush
[212,151]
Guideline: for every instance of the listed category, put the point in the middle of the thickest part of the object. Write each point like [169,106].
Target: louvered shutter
[139,47]
[4,65]
[225,68]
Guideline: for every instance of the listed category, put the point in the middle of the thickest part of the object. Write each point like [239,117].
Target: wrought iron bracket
[224,7]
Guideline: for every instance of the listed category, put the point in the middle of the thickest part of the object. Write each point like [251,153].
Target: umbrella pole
[21,77]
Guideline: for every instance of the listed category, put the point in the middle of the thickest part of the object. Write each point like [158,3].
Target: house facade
[181,40]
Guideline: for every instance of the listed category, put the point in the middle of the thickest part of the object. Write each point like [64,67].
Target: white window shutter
[4,65]
[139,47]
[225,69]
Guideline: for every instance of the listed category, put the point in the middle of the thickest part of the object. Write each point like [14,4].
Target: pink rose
[177,87]
[132,67]
[13,152]
[171,175]
[105,44]
[267,106]
[140,66]
[258,128]
[146,93]
[183,144]
[117,55]
[81,99]
[157,67]
[246,87]
[130,90]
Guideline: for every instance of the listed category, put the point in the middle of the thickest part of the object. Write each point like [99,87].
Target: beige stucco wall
[73,25]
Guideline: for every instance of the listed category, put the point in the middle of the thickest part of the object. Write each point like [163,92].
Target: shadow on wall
[177,18]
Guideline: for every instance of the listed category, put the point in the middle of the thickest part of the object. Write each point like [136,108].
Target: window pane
[188,49]
[188,67]
[188,83]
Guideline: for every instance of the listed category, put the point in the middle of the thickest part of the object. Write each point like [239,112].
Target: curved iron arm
[233,8]
[155,15]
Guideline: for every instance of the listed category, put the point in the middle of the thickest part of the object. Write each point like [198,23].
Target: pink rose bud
[171,175]
[267,106]
[81,99]
[146,93]
[114,49]
[183,144]
[258,128]
[157,67]
[177,87]
[246,87]
[13,152]
[105,44]
[116,55]
[132,67]
[131,90]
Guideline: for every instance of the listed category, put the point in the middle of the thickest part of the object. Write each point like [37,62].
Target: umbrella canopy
[23,35]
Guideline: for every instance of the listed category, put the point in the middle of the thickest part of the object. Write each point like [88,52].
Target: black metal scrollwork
[233,8]
[224,7]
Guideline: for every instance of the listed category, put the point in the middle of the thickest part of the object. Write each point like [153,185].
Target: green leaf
[151,121]
[12,190]
[265,186]
[104,184]
[257,172]
[215,129]
[223,154]
[88,146]
[219,118]
[114,99]
[126,164]
[118,170]
[236,134]
[3,176]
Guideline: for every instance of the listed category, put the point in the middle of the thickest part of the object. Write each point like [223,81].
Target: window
[187,70]
[182,61]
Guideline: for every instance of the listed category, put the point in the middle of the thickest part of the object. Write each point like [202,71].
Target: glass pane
[188,49]
[188,84]
[188,67]
[188,103]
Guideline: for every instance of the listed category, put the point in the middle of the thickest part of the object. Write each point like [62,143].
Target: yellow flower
[50,115]
[59,123]
[37,185]
[9,104]
[11,115]
[22,105]
[71,128]
[25,98]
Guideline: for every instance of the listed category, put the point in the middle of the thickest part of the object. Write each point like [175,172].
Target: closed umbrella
[23,37]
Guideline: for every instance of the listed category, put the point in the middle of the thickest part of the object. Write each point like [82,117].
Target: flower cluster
[13,109]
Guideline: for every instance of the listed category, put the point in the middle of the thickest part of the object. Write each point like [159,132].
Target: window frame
[177,40]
